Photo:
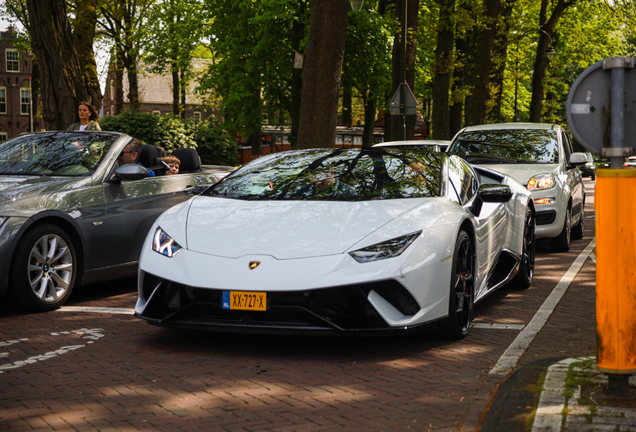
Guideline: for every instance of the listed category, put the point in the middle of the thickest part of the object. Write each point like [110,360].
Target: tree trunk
[133,85]
[321,80]
[499,55]
[455,113]
[369,120]
[83,37]
[443,68]
[183,85]
[62,82]
[175,88]
[476,111]
[119,82]
[541,61]
[346,102]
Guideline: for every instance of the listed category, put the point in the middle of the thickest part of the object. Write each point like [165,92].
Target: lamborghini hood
[286,229]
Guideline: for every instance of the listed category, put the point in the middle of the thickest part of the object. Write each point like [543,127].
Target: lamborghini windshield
[336,174]
[520,145]
[54,153]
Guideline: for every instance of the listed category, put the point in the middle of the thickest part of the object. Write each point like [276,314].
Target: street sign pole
[595,109]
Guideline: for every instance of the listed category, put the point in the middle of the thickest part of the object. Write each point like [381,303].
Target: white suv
[539,156]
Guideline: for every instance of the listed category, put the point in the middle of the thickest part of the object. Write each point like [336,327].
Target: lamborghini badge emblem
[254,264]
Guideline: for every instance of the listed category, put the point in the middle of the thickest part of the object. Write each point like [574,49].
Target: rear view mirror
[131,172]
[578,159]
[494,193]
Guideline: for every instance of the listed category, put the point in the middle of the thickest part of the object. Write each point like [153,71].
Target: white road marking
[593,257]
[510,357]
[88,309]
[495,326]
[91,334]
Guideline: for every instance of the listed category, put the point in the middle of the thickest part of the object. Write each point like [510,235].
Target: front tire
[524,276]
[44,269]
[561,243]
[578,230]
[462,289]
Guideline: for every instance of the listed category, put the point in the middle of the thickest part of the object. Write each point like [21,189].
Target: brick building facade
[15,89]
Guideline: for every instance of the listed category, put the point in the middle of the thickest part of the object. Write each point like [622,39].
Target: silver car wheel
[50,268]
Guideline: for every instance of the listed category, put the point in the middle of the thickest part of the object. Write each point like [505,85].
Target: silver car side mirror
[578,159]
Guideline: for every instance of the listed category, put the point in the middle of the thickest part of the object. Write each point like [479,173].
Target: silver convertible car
[69,215]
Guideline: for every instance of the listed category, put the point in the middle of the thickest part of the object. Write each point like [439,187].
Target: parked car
[588,169]
[630,162]
[350,241]
[69,215]
[435,145]
[602,163]
[539,156]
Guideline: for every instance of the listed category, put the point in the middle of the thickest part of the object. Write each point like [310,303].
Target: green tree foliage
[171,132]
[368,49]
[175,29]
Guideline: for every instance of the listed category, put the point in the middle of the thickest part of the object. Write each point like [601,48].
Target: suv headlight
[388,249]
[541,182]
[3,219]
[164,244]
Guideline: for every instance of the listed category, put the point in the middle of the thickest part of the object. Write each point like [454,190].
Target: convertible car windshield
[522,145]
[340,175]
[56,153]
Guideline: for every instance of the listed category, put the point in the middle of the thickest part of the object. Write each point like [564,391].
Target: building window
[197,115]
[13,64]
[3,136]
[3,100]
[156,112]
[25,101]
[112,110]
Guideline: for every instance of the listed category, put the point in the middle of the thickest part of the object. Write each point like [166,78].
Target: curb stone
[555,413]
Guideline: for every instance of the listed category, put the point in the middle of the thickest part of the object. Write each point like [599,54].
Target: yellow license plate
[245,300]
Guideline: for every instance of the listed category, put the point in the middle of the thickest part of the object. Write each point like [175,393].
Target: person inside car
[173,162]
[130,154]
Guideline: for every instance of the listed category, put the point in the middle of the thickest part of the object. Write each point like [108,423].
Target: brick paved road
[98,371]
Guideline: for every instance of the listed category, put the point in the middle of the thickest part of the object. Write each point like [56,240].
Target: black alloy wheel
[524,276]
[462,290]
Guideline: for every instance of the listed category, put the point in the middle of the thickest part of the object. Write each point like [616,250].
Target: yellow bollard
[615,202]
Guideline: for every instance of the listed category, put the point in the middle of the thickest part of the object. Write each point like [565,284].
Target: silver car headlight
[388,249]
[541,182]
[164,244]
[3,219]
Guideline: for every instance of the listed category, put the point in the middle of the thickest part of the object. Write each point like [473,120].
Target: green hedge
[213,144]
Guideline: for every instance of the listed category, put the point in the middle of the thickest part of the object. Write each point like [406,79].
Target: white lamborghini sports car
[339,240]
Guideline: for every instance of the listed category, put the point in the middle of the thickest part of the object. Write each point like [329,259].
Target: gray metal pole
[402,125]
[618,116]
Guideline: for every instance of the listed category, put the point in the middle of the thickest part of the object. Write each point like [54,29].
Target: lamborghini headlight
[164,244]
[541,182]
[388,249]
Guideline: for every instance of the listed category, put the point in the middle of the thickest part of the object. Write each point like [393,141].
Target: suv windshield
[339,175]
[522,145]
[55,153]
